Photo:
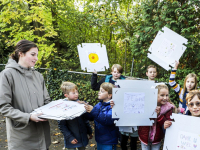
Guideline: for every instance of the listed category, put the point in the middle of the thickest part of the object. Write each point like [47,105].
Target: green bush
[181,16]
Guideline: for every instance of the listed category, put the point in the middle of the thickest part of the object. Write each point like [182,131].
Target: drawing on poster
[167,48]
[134,102]
[93,57]
[60,107]
[188,141]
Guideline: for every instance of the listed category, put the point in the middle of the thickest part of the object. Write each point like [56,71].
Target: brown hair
[191,95]
[151,66]
[67,87]
[22,46]
[118,66]
[190,75]
[107,87]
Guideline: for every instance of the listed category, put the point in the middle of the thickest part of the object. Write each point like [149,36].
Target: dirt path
[56,137]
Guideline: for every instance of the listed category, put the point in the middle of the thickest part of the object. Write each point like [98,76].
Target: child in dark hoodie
[115,74]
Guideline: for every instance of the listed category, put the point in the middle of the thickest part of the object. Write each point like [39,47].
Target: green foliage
[127,28]
[54,78]
[180,16]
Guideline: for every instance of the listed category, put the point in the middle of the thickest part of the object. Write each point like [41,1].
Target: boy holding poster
[116,72]
[75,131]
[106,133]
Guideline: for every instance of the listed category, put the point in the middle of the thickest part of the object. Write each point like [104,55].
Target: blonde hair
[163,86]
[118,66]
[191,95]
[67,87]
[107,87]
[191,75]
[151,66]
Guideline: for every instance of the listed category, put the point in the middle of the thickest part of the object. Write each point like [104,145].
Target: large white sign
[167,48]
[135,103]
[61,109]
[93,56]
[184,133]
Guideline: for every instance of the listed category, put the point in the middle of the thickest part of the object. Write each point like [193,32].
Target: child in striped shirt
[190,83]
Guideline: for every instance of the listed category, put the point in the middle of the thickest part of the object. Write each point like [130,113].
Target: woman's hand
[167,124]
[88,108]
[74,141]
[158,109]
[176,65]
[34,117]
[112,103]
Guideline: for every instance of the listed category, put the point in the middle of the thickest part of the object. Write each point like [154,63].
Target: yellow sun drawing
[93,57]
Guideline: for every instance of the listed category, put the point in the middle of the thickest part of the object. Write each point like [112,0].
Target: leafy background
[127,28]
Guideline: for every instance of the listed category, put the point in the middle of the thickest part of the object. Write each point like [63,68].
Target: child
[193,103]
[151,72]
[151,136]
[75,131]
[116,72]
[190,83]
[106,133]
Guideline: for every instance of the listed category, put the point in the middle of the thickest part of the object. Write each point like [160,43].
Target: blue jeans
[150,146]
[106,147]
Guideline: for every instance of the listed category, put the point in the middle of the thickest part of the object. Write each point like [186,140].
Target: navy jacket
[96,86]
[78,128]
[105,130]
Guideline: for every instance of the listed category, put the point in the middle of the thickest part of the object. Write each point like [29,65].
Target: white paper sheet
[142,95]
[167,48]
[61,109]
[183,134]
[93,56]
[134,102]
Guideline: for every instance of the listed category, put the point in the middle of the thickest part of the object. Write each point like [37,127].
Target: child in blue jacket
[106,133]
[75,131]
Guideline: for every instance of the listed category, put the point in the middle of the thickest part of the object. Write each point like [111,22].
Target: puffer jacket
[105,130]
[155,134]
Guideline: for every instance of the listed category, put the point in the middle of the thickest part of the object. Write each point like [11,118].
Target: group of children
[106,133]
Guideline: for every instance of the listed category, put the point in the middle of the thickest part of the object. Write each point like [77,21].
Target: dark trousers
[133,143]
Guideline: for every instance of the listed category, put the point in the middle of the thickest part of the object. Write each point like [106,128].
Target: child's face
[103,95]
[190,84]
[163,97]
[194,106]
[151,73]
[73,95]
[116,74]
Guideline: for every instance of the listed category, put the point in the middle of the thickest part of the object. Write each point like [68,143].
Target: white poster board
[184,133]
[93,56]
[167,48]
[135,104]
[61,109]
